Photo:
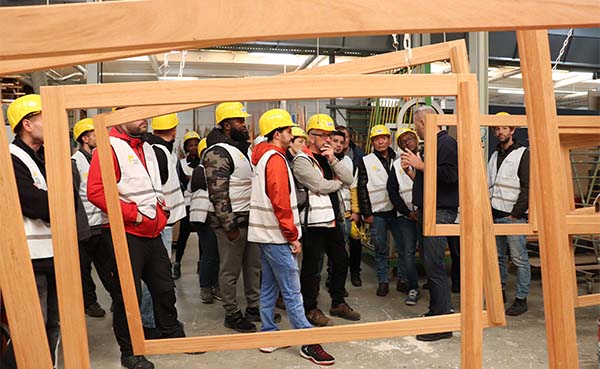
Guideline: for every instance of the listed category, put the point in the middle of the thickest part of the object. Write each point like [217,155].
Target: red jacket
[278,188]
[149,228]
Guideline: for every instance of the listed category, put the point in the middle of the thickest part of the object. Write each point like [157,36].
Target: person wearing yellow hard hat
[298,142]
[317,170]
[229,176]
[374,202]
[508,181]
[399,186]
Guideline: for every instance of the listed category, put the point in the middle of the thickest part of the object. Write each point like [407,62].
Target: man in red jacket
[145,215]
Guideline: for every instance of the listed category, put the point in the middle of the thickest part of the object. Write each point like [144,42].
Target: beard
[240,135]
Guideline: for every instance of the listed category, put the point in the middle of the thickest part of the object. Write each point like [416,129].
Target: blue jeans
[379,232]
[407,248]
[434,248]
[209,259]
[280,272]
[518,255]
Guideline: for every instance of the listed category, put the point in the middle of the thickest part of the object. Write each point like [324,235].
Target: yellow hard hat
[320,121]
[228,110]
[22,107]
[379,130]
[502,113]
[273,119]
[201,146]
[82,126]
[299,132]
[402,131]
[165,122]
[190,135]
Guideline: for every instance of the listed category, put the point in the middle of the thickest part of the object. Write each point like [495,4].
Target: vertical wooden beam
[430,180]
[64,229]
[471,228]
[16,273]
[557,270]
[566,156]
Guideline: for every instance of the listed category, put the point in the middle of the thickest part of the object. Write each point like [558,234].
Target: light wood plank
[566,158]
[16,273]
[589,123]
[552,207]
[498,229]
[430,179]
[588,300]
[64,230]
[583,224]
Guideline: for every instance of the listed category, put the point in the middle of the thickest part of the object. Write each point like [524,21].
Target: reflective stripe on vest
[94,214]
[346,162]
[38,232]
[405,185]
[138,184]
[263,225]
[240,181]
[200,206]
[377,184]
[187,170]
[504,183]
[172,191]
[320,209]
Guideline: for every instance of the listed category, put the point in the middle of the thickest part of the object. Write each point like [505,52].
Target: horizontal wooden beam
[588,300]
[342,333]
[583,224]
[173,23]
[589,123]
[258,89]
[499,229]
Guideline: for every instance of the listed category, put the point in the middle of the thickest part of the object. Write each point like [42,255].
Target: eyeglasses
[322,135]
[407,139]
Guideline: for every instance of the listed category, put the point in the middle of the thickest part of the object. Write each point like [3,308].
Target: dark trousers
[92,251]
[185,228]
[150,263]
[209,255]
[355,249]
[454,246]
[316,240]
[45,281]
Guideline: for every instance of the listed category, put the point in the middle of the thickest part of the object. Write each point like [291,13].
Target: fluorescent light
[175,78]
[511,91]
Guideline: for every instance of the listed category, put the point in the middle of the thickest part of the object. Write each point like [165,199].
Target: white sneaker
[271,349]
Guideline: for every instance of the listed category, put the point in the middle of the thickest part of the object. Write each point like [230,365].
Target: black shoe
[237,322]
[434,336]
[355,280]
[95,310]
[316,354]
[136,362]
[383,289]
[176,270]
[152,333]
[518,307]
[253,315]
[402,286]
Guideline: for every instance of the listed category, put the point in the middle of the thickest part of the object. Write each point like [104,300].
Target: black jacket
[161,157]
[522,204]
[364,202]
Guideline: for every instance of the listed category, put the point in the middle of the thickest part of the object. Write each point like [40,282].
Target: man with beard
[229,181]
[145,215]
[508,181]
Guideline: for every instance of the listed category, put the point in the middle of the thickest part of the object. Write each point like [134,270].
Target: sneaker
[355,280]
[136,362]
[383,289]
[176,270]
[434,336]
[316,354]
[206,296]
[271,349]
[413,297]
[318,319]
[95,310]
[344,311]
[253,315]
[237,322]
[518,307]
[402,286]
[216,293]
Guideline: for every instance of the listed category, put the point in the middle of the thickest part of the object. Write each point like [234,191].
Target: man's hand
[368,220]
[233,235]
[327,151]
[296,247]
[411,159]
[510,217]
[413,215]
[138,218]
[355,217]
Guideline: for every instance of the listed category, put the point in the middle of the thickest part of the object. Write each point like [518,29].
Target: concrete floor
[520,345]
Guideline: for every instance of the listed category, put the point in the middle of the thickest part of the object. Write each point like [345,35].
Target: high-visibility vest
[263,225]
[187,192]
[138,184]
[319,207]
[38,232]
[240,181]
[346,162]
[172,190]
[405,184]
[201,205]
[377,184]
[94,214]
[504,183]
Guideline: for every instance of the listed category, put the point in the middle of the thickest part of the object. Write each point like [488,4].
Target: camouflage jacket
[219,167]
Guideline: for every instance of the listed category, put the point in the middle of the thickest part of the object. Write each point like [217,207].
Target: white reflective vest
[319,207]
[405,184]
[138,184]
[377,184]
[38,232]
[504,183]
[187,170]
[240,181]
[263,225]
[346,162]
[94,214]
[171,190]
